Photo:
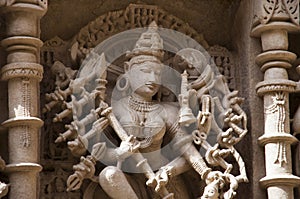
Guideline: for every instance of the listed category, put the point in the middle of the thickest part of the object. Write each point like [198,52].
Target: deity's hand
[127,147]
[78,146]
[215,176]
[3,189]
[237,123]
[229,194]
[234,113]
[57,95]
[85,169]
[204,119]
[193,98]
[160,179]
[227,138]
[214,182]
[233,185]
[230,116]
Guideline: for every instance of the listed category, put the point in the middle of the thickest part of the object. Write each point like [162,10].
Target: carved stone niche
[223,59]
[70,53]
[134,16]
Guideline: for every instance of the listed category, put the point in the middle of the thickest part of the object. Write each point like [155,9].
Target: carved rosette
[273,21]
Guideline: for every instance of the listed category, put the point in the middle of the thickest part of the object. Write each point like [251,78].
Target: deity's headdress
[149,47]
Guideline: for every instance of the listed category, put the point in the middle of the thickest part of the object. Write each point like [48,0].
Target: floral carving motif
[280,9]
[277,112]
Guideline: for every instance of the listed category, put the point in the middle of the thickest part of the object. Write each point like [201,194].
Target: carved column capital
[268,11]
[275,25]
[37,6]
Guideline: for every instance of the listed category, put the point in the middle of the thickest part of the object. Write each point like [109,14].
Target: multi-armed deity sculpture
[145,140]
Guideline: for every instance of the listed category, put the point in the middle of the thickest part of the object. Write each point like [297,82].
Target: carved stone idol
[144,142]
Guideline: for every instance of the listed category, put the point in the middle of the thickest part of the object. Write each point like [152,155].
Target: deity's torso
[148,122]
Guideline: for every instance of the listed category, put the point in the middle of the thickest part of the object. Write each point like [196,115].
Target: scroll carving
[277,111]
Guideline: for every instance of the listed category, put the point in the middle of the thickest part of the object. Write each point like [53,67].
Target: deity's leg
[115,184]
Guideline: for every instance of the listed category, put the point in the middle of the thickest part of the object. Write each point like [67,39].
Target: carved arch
[114,22]
[134,16]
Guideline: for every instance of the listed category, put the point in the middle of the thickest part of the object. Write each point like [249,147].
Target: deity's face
[61,78]
[210,192]
[145,79]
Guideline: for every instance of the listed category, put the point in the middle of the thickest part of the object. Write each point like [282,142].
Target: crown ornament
[149,47]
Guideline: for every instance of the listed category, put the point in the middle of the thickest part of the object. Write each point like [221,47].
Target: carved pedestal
[23,74]
[276,21]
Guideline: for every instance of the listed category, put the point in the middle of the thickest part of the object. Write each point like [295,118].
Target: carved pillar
[23,74]
[275,19]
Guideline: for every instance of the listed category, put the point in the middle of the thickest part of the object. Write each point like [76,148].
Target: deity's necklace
[141,106]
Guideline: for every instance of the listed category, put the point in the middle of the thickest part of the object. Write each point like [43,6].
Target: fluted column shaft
[273,30]
[23,73]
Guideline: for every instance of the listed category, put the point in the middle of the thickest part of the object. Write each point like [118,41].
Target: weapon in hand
[78,127]
[214,156]
[138,157]
[231,103]
[186,116]
[86,168]
[56,97]
[70,133]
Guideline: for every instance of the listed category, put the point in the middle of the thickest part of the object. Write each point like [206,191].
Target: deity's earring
[122,83]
